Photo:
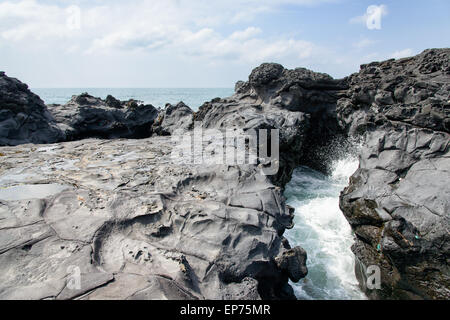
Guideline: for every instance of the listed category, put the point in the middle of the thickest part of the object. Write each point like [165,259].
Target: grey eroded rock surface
[138,225]
[85,116]
[398,201]
[172,118]
[24,118]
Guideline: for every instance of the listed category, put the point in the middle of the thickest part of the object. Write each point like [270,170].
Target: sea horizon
[158,97]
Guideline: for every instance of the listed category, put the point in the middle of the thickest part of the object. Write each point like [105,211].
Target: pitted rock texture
[85,116]
[24,118]
[412,91]
[300,103]
[398,201]
[138,225]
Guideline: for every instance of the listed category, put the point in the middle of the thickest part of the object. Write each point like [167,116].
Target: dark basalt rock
[265,73]
[398,201]
[403,91]
[85,116]
[24,118]
[113,102]
[293,262]
[172,118]
[300,103]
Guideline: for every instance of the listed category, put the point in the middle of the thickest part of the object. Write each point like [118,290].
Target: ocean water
[158,97]
[322,230]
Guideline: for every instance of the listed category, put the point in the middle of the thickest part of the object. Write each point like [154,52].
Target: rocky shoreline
[92,184]
[398,201]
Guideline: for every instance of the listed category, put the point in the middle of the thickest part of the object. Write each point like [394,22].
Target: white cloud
[28,19]
[245,34]
[164,36]
[402,54]
[254,50]
[241,46]
[186,27]
[364,43]
[372,18]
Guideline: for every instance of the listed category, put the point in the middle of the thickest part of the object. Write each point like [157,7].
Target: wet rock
[293,262]
[398,201]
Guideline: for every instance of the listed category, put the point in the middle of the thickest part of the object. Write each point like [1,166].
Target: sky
[206,43]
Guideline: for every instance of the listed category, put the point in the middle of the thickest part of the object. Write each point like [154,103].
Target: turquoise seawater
[322,230]
[158,97]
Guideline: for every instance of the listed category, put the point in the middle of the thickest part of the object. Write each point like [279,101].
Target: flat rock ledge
[138,226]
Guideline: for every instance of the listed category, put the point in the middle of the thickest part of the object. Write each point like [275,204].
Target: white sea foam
[322,230]
[343,169]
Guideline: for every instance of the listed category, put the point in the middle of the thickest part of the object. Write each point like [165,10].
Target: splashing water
[322,230]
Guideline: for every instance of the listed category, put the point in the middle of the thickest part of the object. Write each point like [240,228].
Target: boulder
[113,102]
[85,116]
[24,118]
[293,262]
[173,118]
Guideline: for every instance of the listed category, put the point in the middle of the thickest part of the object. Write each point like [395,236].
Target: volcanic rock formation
[398,201]
[85,116]
[24,118]
[140,223]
